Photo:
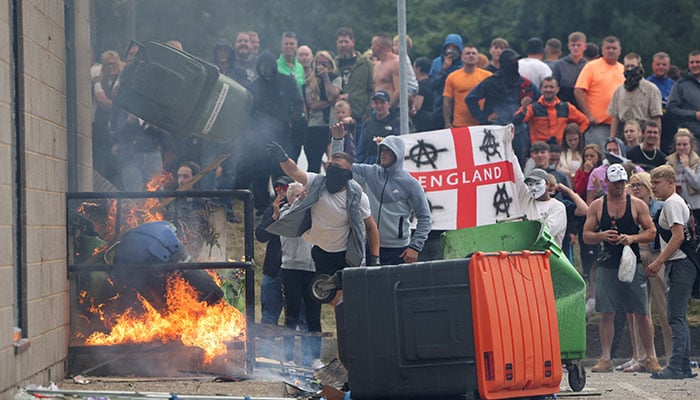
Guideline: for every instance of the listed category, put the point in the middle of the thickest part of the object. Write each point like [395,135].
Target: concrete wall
[45,153]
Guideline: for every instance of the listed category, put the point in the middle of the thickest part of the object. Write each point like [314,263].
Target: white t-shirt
[552,212]
[675,211]
[330,225]
[534,70]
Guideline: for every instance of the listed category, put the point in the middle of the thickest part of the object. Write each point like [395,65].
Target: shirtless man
[386,69]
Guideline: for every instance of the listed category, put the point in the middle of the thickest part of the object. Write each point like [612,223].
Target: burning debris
[185,319]
[154,290]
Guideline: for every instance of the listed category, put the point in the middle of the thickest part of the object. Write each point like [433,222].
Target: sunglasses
[281,188]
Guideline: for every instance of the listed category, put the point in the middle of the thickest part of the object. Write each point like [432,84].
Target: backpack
[690,245]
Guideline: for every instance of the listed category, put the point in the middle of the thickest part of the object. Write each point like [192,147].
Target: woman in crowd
[592,158]
[686,162]
[321,90]
[572,151]
[633,133]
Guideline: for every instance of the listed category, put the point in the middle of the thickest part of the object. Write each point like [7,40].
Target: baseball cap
[537,174]
[616,173]
[508,55]
[381,94]
[283,181]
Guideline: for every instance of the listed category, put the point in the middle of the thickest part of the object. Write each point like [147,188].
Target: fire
[193,322]
[132,213]
[159,181]
[147,210]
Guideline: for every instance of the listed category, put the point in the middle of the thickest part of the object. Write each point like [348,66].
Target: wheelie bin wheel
[577,376]
[323,288]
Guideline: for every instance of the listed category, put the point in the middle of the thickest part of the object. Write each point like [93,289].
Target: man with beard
[503,93]
[254,42]
[684,100]
[245,60]
[277,107]
[548,116]
[595,87]
[636,98]
[341,219]
[356,71]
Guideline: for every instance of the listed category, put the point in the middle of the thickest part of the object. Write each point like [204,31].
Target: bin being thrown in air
[183,94]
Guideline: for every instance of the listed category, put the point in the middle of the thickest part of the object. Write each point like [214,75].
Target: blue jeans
[391,255]
[271,299]
[680,275]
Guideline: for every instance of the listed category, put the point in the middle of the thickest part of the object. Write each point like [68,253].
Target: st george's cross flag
[467,174]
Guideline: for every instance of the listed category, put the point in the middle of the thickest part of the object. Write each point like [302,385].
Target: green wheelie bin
[569,286]
[183,94]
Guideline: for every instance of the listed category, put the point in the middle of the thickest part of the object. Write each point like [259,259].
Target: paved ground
[613,386]
[619,385]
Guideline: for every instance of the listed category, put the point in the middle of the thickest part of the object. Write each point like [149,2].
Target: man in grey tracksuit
[394,195]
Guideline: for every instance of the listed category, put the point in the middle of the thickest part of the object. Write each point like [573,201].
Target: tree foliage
[645,26]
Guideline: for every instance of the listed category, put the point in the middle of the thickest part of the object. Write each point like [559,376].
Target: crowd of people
[598,144]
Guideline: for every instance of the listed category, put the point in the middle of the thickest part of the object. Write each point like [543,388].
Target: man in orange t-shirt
[458,85]
[595,87]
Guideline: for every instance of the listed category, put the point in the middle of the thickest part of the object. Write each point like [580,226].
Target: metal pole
[403,65]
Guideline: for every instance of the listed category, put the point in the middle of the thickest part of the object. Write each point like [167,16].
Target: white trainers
[628,364]
[590,306]
[317,364]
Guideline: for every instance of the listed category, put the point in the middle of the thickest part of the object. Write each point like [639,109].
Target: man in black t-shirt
[647,155]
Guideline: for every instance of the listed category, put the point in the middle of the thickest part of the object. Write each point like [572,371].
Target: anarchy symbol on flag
[466,174]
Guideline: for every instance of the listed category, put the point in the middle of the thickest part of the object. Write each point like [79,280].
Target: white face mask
[536,188]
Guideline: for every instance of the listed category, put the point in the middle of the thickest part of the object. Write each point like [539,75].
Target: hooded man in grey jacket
[394,195]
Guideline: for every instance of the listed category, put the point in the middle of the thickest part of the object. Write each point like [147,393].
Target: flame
[214,276]
[193,322]
[159,181]
[103,213]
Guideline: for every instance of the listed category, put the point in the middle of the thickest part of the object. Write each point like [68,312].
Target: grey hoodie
[393,196]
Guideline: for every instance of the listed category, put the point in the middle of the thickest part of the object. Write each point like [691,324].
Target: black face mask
[633,77]
[267,72]
[337,178]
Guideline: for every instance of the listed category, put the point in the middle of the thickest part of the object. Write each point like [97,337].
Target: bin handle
[513,218]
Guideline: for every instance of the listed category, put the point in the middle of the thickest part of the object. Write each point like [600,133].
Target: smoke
[249,151]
